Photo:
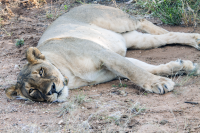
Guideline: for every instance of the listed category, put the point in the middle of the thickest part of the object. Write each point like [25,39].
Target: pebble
[126,100]
[86,125]
[16,66]
[61,122]
[163,122]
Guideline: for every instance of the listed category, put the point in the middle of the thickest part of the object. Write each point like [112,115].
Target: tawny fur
[89,44]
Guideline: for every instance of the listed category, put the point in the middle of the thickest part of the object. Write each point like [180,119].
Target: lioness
[88,45]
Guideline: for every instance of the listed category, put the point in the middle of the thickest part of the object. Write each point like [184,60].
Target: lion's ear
[33,55]
[12,92]
[66,80]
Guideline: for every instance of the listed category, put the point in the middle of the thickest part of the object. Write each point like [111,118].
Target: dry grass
[108,116]
[189,13]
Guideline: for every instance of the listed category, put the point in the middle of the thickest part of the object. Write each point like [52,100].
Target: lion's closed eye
[35,94]
[32,92]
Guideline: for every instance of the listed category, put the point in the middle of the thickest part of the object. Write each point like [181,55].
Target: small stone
[163,122]
[132,123]
[29,102]
[192,130]
[61,122]
[126,100]
[126,80]
[14,110]
[86,125]
[44,124]
[89,107]
[6,118]
[123,93]
[16,66]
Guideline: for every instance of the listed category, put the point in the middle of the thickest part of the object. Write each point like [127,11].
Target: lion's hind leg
[150,28]
[137,40]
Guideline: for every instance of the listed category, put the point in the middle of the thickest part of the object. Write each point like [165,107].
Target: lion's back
[105,17]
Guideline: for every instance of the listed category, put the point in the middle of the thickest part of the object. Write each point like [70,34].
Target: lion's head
[39,80]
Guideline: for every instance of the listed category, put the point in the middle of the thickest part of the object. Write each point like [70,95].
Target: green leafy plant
[1,19]
[79,1]
[120,85]
[168,11]
[19,42]
[114,85]
[66,7]
[49,15]
[172,12]
[191,12]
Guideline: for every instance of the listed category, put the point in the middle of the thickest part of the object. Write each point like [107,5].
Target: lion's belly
[108,39]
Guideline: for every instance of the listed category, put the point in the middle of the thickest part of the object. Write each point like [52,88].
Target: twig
[174,117]
[24,1]
[120,81]
[192,102]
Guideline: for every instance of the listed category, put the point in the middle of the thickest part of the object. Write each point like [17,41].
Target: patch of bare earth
[116,106]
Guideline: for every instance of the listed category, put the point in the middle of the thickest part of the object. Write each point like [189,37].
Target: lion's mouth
[53,90]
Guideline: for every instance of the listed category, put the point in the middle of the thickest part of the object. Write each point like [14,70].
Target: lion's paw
[189,67]
[160,85]
[196,70]
[196,41]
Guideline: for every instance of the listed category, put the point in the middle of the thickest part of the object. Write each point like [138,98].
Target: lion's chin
[63,96]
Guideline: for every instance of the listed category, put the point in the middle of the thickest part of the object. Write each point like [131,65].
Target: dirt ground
[106,107]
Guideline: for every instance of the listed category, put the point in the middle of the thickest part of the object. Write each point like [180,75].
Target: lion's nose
[53,89]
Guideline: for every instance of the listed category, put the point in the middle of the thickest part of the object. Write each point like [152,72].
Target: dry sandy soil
[105,107]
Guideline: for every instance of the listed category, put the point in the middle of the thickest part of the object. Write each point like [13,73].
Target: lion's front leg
[123,67]
[177,67]
[158,84]
[172,68]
